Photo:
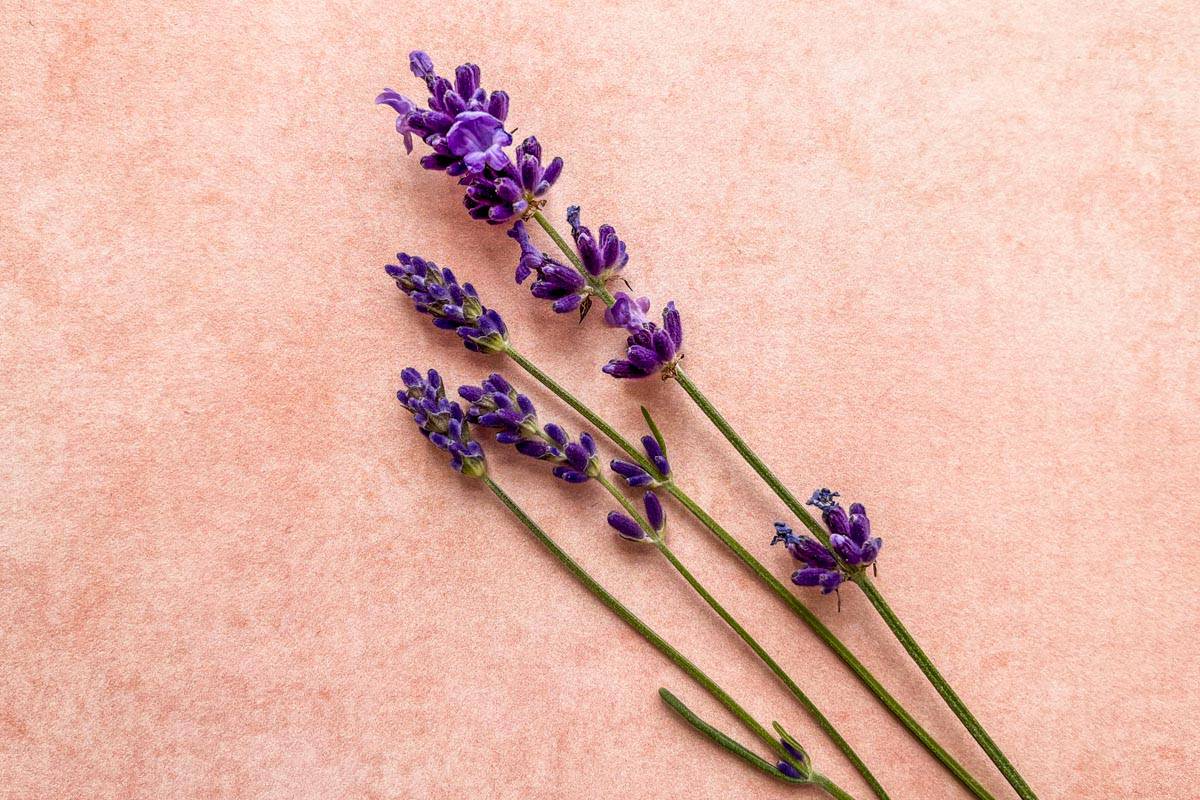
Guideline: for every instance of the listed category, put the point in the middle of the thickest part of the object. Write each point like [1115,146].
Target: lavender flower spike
[515,190]
[496,404]
[464,129]
[635,475]
[557,282]
[602,257]
[441,421]
[651,349]
[849,535]
[436,292]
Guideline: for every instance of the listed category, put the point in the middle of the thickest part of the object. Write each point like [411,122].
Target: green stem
[864,582]
[809,706]
[810,619]
[943,687]
[829,786]
[635,622]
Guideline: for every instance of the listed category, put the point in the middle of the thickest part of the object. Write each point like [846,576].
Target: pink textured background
[940,256]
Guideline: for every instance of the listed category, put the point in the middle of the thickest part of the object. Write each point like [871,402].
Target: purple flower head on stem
[849,534]
[635,474]
[820,567]
[650,349]
[441,421]
[515,189]
[479,140]
[436,292]
[562,285]
[602,256]
[655,517]
[463,126]
[496,404]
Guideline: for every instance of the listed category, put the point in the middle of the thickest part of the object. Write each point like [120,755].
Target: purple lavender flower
[602,257]
[849,535]
[821,568]
[557,282]
[441,421]
[651,349]
[627,313]
[628,529]
[436,292]
[496,404]
[636,475]
[513,190]
[464,128]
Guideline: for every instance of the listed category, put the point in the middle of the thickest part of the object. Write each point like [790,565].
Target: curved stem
[635,622]
[822,721]
[906,640]
[809,706]
[810,619]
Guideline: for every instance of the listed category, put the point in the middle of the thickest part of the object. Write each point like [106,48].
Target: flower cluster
[555,281]
[603,256]
[649,348]
[849,537]
[496,404]
[436,292]
[633,531]
[441,421]
[464,127]
[635,474]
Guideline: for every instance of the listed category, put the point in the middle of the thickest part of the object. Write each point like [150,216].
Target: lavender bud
[654,511]
[627,528]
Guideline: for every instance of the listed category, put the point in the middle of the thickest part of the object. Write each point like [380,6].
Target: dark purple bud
[860,526]
[472,394]
[789,770]
[627,528]
[656,455]
[556,433]
[830,581]
[588,443]
[870,550]
[532,448]
[642,357]
[577,456]
[633,474]
[654,511]
[569,475]
[673,325]
[845,547]
[664,348]
[792,751]
[836,520]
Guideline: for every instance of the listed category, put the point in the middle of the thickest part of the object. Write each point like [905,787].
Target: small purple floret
[649,348]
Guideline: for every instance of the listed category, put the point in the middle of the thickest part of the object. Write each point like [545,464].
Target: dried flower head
[649,348]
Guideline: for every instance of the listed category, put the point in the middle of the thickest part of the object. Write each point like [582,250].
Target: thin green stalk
[869,589]
[943,687]
[635,622]
[808,705]
[810,619]
[829,786]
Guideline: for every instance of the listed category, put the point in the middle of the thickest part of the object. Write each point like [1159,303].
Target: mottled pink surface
[941,256]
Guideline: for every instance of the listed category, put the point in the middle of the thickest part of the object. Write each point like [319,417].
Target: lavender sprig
[436,292]
[441,421]
[464,127]
[496,404]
